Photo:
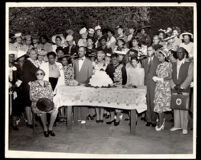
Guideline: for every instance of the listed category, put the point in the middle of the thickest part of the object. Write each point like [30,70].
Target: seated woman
[42,89]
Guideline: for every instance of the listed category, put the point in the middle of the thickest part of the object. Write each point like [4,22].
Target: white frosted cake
[100,79]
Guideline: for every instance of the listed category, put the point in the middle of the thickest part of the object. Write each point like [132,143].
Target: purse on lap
[180,101]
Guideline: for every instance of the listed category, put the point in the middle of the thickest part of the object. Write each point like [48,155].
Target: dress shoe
[184,131]
[51,133]
[174,129]
[46,134]
[110,122]
[116,123]
[148,124]
[153,124]
[101,121]
[97,121]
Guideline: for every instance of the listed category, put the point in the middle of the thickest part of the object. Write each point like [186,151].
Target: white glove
[155,78]
[18,83]
[14,95]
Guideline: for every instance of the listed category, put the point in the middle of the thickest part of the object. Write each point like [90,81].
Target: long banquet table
[133,99]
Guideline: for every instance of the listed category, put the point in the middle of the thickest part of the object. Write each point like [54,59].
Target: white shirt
[179,63]
[81,61]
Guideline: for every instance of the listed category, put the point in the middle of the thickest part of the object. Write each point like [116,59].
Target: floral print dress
[68,74]
[162,97]
[118,75]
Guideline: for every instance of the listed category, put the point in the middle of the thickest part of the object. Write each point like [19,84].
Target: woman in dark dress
[29,69]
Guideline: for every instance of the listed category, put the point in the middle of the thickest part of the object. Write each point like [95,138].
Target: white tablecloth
[120,98]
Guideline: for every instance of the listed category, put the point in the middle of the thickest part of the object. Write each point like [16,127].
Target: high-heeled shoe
[161,127]
[110,122]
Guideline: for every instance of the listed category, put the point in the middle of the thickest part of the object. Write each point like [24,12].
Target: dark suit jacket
[71,51]
[85,72]
[150,70]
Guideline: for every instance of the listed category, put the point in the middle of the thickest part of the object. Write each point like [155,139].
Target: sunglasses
[39,74]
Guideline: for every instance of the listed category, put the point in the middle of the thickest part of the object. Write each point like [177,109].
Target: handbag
[180,101]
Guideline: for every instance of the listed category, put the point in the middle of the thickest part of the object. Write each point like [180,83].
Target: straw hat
[58,35]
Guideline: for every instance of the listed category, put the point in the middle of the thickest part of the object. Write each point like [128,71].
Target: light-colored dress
[135,76]
[162,99]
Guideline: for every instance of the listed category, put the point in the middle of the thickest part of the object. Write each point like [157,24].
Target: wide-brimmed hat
[186,33]
[45,105]
[58,35]
[21,53]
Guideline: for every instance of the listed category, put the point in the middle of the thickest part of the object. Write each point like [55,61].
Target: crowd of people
[162,63]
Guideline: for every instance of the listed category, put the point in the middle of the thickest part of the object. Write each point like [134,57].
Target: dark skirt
[53,82]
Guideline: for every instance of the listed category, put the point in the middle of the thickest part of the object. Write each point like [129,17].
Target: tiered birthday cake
[100,79]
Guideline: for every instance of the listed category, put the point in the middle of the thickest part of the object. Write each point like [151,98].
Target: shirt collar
[83,58]
[182,61]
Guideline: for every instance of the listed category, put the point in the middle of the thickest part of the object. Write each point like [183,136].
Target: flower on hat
[69,38]
[83,30]
[91,30]
[18,34]
[97,28]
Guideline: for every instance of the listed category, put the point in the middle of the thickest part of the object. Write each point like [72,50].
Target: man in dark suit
[150,65]
[83,70]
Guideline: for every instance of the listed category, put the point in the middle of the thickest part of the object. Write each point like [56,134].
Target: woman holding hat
[162,98]
[42,89]
[187,43]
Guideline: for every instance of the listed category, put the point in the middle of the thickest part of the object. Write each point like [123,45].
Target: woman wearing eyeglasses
[42,89]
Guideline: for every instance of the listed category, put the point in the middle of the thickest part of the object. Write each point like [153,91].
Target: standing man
[182,76]
[150,64]
[83,70]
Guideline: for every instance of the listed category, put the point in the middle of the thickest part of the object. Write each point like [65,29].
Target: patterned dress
[68,74]
[162,97]
[38,91]
[118,75]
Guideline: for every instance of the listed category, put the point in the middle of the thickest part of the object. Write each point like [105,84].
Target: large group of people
[163,63]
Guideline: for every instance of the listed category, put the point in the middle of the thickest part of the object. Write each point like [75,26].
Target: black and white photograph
[100,80]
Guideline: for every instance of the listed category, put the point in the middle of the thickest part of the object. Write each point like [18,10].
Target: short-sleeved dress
[162,97]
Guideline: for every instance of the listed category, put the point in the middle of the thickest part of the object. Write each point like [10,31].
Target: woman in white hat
[82,42]
[187,43]
[59,41]
[18,41]
[162,98]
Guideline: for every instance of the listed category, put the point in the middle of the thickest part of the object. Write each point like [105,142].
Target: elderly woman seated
[41,95]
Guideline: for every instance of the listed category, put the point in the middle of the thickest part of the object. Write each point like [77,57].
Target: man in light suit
[150,65]
[83,70]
